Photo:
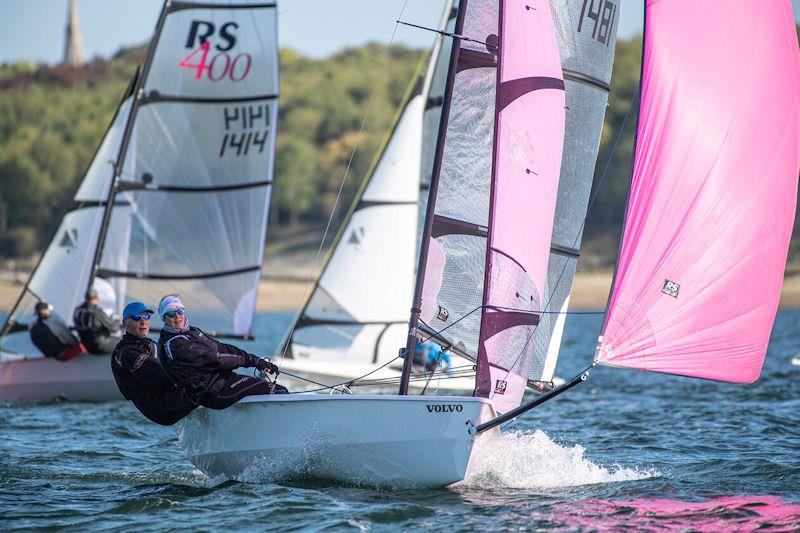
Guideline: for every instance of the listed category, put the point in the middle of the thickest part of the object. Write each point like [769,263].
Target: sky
[34,29]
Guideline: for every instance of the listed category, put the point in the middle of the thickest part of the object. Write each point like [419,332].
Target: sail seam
[585,79]
[364,204]
[178,6]
[137,186]
[565,251]
[142,275]
[155,98]
[451,226]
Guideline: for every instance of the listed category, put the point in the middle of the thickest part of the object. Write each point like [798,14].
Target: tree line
[52,119]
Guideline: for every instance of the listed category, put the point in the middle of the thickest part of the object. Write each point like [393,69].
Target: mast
[411,341]
[482,364]
[126,136]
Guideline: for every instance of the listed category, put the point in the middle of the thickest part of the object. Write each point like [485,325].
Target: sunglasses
[171,314]
[141,316]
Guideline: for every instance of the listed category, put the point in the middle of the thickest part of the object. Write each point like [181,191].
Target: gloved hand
[266,366]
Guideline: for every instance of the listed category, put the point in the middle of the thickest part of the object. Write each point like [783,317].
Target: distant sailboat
[175,199]
[707,228]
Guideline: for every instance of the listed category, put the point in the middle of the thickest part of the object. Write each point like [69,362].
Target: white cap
[169,303]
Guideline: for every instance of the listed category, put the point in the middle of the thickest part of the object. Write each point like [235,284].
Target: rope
[317,263]
[349,383]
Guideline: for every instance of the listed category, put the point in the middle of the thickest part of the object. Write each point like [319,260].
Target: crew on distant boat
[140,375]
[97,331]
[428,355]
[52,336]
[204,366]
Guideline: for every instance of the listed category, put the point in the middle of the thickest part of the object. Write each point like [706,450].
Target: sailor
[97,331]
[140,375]
[435,356]
[204,366]
[52,336]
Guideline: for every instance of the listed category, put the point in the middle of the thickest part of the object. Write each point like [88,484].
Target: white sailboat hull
[796,360]
[83,378]
[397,441]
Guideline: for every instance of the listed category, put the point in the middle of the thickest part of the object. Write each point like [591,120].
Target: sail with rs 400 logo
[175,200]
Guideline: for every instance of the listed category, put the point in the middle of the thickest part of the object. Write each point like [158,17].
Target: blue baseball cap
[134,308]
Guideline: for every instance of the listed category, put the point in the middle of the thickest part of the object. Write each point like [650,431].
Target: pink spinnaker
[713,191]
[527,162]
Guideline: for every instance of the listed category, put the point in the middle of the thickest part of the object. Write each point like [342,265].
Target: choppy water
[623,450]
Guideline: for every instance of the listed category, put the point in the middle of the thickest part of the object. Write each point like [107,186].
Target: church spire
[73,48]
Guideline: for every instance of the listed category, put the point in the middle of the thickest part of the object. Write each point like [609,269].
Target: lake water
[622,450]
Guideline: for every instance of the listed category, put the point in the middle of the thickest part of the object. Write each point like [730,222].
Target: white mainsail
[358,310]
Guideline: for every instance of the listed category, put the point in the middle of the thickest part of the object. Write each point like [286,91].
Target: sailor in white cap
[141,376]
[203,365]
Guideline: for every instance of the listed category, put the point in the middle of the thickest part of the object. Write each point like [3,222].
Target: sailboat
[405,439]
[175,199]
[695,292]
[344,331]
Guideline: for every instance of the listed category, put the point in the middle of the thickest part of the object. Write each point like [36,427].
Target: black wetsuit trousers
[228,390]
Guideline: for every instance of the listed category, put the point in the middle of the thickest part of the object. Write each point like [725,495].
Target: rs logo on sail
[215,66]
[444,408]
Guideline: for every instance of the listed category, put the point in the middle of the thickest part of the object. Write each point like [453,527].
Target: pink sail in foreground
[713,191]
[529,138]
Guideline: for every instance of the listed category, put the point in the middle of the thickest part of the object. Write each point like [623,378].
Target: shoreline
[589,293]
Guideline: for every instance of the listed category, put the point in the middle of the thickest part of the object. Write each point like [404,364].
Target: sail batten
[713,192]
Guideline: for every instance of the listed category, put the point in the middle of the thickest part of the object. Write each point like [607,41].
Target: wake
[525,460]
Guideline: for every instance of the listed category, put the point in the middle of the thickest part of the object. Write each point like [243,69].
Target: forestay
[196,165]
[358,310]
[713,191]
[493,195]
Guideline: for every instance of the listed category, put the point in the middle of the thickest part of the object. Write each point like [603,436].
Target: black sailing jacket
[94,326]
[52,336]
[195,361]
[141,378]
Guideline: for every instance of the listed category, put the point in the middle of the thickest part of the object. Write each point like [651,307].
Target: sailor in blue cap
[140,374]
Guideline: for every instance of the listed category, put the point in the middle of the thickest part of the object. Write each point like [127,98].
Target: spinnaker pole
[505,417]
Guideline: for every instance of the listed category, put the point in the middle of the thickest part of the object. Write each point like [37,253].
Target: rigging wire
[317,263]
[563,268]
[348,382]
